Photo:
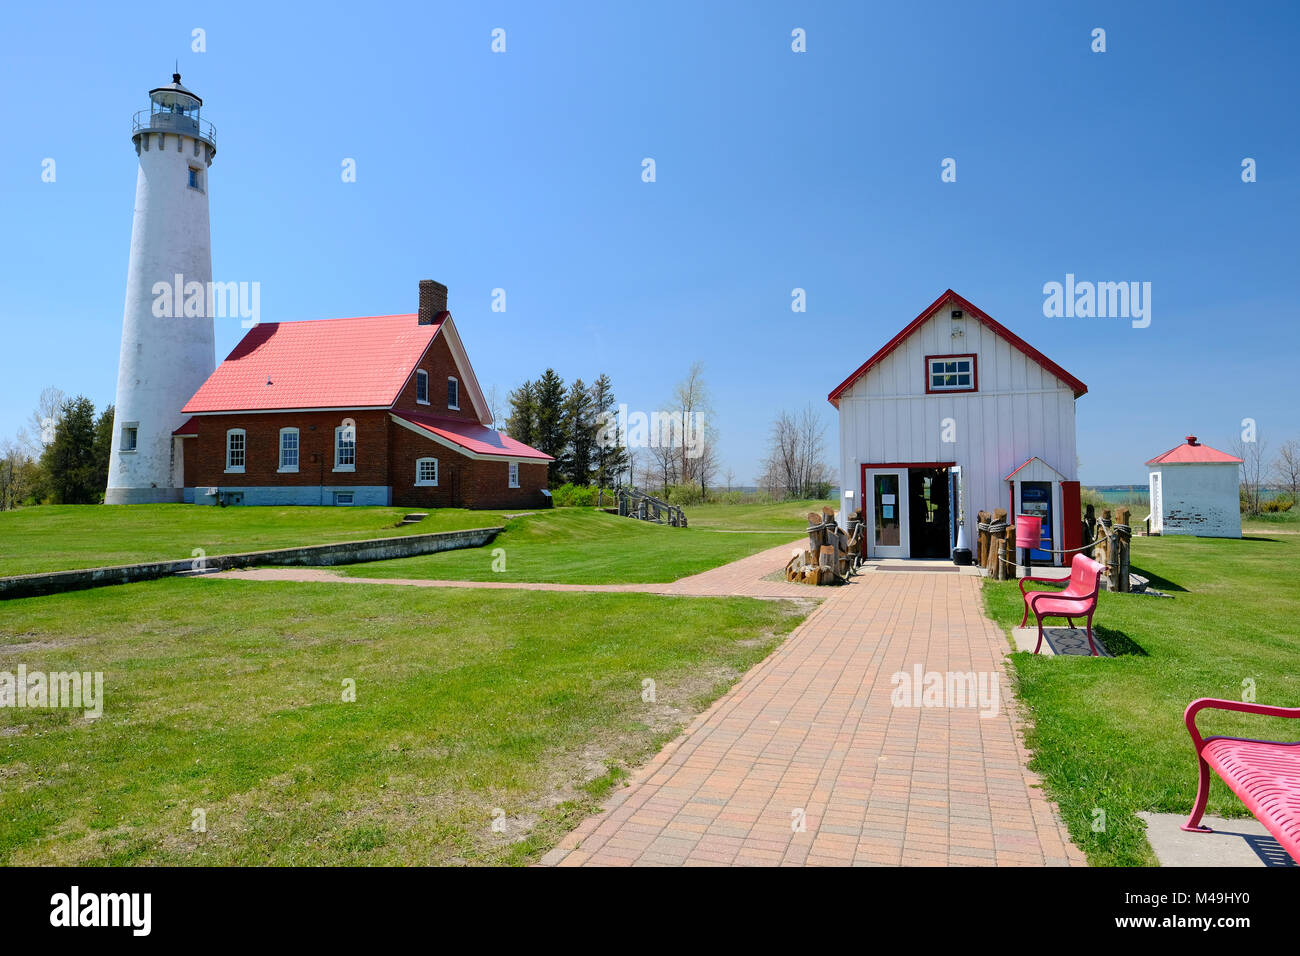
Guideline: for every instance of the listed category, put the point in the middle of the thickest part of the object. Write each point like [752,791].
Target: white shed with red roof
[1195,489]
[954,414]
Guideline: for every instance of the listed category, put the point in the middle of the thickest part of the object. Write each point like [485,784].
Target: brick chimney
[433,301]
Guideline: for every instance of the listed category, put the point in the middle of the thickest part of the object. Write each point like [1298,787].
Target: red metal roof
[1192,452]
[1015,341]
[325,363]
[471,436]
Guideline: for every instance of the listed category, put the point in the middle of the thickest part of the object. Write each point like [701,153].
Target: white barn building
[956,414]
[1194,490]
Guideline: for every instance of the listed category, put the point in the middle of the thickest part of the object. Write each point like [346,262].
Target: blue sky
[775,170]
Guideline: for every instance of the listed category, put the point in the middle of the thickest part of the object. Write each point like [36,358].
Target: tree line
[60,457]
[565,423]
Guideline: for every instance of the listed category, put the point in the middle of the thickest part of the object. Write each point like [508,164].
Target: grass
[226,697]
[780,516]
[1109,734]
[581,546]
[59,537]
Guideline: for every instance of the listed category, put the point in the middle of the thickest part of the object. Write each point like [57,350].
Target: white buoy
[166,354]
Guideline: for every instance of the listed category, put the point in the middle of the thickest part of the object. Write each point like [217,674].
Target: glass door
[887,505]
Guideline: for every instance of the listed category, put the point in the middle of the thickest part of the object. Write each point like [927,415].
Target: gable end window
[951,373]
[426,471]
[422,387]
[345,448]
[236,446]
[288,449]
[453,394]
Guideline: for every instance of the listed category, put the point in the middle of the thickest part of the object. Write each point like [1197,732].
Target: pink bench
[1265,774]
[1079,599]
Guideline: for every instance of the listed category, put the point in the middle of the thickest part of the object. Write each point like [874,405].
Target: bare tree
[1253,455]
[16,474]
[1286,469]
[696,462]
[795,465]
[40,424]
[493,397]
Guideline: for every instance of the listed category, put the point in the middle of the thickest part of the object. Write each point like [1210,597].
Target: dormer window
[951,373]
[453,394]
[422,387]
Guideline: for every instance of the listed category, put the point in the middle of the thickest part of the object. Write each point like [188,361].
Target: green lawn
[226,697]
[783,516]
[58,537]
[581,546]
[1109,734]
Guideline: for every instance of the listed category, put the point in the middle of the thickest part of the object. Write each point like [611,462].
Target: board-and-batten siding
[1021,410]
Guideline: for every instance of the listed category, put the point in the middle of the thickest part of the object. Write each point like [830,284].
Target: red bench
[1079,599]
[1265,774]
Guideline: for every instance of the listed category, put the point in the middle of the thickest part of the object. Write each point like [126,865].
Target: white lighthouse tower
[166,355]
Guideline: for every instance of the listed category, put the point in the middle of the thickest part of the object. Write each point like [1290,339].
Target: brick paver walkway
[811,733]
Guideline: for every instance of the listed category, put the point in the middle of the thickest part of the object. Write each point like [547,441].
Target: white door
[886,494]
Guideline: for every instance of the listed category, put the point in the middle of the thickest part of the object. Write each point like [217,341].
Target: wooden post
[1010,570]
[1123,537]
[1089,524]
[982,540]
[993,563]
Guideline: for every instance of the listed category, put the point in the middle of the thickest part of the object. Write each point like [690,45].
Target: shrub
[573,496]
[682,495]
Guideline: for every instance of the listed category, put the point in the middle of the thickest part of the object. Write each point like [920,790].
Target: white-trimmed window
[950,373]
[426,471]
[345,448]
[514,474]
[130,436]
[344,497]
[453,393]
[288,449]
[236,447]
[422,386]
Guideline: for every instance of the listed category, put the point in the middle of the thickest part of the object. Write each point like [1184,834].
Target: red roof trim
[1014,340]
[188,430]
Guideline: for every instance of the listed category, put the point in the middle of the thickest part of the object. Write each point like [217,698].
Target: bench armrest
[1065,581]
[1196,706]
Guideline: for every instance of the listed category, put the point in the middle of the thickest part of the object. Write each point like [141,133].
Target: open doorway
[930,522]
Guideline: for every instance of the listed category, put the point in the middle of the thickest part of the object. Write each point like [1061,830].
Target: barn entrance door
[885,496]
[929,526]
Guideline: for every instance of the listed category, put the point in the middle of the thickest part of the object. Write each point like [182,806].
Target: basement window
[343,497]
[950,373]
[426,472]
[236,444]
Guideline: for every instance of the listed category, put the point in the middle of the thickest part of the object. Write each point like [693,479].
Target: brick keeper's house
[365,411]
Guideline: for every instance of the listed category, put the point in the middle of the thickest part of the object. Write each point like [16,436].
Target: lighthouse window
[453,393]
[130,433]
[288,449]
[235,447]
[196,179]
[422,387]
[345,448]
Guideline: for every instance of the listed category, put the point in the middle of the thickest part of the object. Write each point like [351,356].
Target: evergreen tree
[551,435]
[580,422]
[610,456]
[103,446]
[522,423]
[69,460]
